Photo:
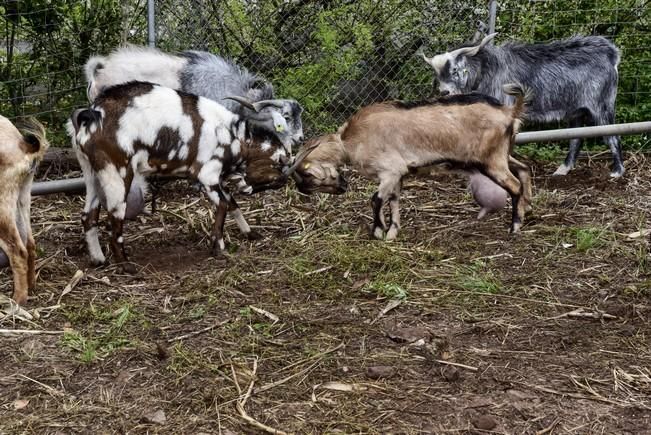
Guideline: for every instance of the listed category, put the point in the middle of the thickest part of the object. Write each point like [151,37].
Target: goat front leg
[242,224]
[116,188]
[90,214]
[25,230]
[394,206]
[388,190]
[13,246]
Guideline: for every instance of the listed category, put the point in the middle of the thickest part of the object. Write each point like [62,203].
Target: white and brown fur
[19,158]
[386,141]
[138,129]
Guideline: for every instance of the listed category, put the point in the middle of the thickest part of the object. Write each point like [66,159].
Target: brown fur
[385,141]
[19,155]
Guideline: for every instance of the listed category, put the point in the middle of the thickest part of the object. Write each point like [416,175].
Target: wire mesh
[333,56]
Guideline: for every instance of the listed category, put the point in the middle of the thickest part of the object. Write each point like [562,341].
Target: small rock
[161,350]
[157,417]
[379,372]
[450,374]
[410,335]
[484,422]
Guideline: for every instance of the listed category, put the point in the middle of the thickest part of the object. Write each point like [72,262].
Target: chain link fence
[332,55]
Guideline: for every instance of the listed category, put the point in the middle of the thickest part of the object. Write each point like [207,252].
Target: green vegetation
[107,332]
[333,56]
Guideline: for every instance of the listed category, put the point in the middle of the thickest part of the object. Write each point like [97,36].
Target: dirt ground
[456,327]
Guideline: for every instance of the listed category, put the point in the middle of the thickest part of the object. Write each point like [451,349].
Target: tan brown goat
[19,157]
[386,141]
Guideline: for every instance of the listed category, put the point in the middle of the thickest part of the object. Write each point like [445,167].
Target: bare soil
[456,327]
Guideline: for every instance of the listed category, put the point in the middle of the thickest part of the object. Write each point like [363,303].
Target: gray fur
[572,80]
[215,77]
[196,72]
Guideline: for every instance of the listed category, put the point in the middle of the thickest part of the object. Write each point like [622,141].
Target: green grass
[107,333]
[479,277]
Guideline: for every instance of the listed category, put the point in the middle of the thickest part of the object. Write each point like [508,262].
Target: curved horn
[471,51]
[244,102]
[264,103]
[300,157]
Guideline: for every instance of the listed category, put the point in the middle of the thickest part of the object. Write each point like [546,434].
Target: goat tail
[91,68]
[34,139]
[523,96]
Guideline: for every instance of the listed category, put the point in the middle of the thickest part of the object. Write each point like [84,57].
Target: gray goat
[574,79]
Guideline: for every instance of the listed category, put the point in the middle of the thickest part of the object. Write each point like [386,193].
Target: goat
[200,73]
[20,154]
[572,80]
[386,141]
[138,129]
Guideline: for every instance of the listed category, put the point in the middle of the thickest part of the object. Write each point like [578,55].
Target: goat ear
[436,62]
[244,102]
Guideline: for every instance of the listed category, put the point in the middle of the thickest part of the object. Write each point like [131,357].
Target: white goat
[19,157]
[138,129]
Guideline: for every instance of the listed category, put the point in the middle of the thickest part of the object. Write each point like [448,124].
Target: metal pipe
[492,15]
[76,185]
[583,132]
[151,28]
[71,185]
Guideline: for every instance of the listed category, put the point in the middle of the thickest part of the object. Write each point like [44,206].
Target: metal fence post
[151,27]
[492,15]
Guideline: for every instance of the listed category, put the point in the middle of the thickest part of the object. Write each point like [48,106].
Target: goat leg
[117,244]
[379,225]
[242,224]
[218,197]
[13,246]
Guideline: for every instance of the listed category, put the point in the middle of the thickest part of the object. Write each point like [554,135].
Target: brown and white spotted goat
[138,129]
[386,141]
[19,157]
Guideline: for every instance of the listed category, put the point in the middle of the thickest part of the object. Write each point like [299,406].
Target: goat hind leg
[242,224]
[509,182]
[523,172]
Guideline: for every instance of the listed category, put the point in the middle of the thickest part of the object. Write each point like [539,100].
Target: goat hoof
[378,233]
[20,298]
[617,173]
[562,170]
[515,228]
[392,233]
[254,235]
[129,268]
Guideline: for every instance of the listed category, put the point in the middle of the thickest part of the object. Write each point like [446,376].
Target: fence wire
[332,55]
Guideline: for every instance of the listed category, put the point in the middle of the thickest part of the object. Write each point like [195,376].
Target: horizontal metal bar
[76,185]
[71,185]
[583,132]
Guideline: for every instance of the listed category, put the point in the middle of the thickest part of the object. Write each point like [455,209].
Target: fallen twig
[581,314]
[242,402]
[12,332]
[319,357]
[463,366]
[201,331]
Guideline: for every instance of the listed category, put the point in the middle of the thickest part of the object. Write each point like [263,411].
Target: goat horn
[275,103]
[244,102]
[471,51]
[300,157]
